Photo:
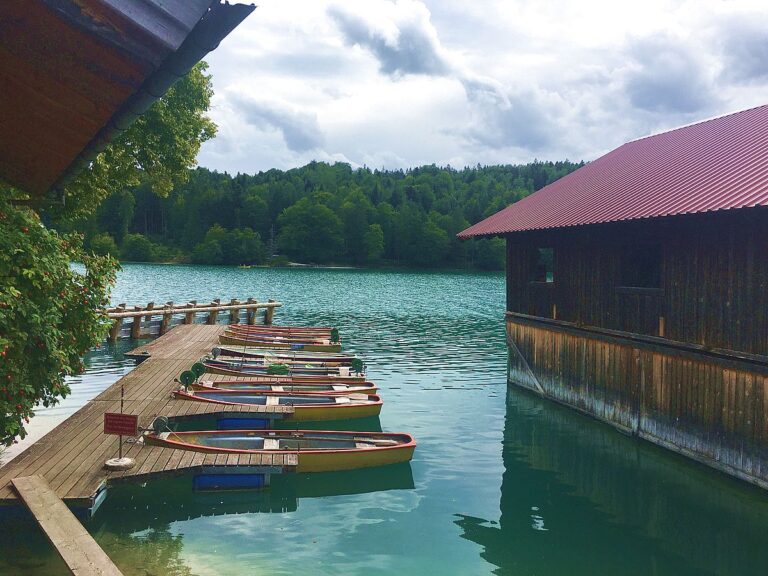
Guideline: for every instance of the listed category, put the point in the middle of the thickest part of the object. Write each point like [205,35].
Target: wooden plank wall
[710,409]
[714,279]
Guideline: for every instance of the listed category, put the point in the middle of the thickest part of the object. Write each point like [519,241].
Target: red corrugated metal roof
[719,164]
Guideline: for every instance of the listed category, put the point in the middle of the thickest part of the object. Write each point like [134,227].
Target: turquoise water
[501,482]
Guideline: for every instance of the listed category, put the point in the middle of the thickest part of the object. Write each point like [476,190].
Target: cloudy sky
[399,83]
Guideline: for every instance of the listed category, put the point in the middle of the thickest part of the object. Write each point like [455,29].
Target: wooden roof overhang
[74,73]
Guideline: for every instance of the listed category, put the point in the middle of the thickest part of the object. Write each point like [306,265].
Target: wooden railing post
[167,315]
[234,313]
[189,317]
[269,314]
[136,326]
[117,325]
[250,313]
[148,317]
[213,314]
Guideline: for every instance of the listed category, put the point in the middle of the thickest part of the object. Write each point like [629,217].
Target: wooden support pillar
[213,314]
[250,313]
[166,321]
[148,317]
[189,317]
[234,313]
[136,326]
[117,325]
[269,314]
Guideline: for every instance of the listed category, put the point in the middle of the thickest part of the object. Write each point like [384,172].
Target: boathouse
[637,290]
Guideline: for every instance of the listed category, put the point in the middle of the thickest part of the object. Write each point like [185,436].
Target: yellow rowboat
[316,450]
[306,407]
[286,387]
[279,343]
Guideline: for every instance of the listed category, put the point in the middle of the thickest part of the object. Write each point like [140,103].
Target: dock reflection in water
[578,497]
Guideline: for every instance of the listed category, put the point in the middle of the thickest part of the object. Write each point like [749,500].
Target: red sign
[121,424]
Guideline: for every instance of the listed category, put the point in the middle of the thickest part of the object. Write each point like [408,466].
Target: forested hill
[320,214]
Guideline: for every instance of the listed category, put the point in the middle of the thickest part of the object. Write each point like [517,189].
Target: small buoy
[116,464]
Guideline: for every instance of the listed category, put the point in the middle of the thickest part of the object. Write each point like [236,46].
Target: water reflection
[580,498]
[132,508]
[143,527]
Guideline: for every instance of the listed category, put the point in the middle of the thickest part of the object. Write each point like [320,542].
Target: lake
[502,482]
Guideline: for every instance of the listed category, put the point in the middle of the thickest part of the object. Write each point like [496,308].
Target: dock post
[167,315]
[148,317]
[270,312]
[250,313]
[189,317]
[234,313]
[213,314]
[114,331]
[136,326]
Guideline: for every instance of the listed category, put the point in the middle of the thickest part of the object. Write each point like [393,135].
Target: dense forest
[318,214]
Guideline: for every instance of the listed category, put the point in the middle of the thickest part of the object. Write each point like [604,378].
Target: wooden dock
[71,457]
[80,552]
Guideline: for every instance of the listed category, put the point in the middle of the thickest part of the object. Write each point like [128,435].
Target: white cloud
[397,83]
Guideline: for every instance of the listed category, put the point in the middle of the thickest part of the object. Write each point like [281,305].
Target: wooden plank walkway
[80,552]
[71,456]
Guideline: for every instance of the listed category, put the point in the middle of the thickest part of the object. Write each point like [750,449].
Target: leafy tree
[432,245]
[103,245]
[50,312]
[138,248]
[158,148]
[310,231]
[374,244]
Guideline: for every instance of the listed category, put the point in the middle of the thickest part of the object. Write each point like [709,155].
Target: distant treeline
[319,214]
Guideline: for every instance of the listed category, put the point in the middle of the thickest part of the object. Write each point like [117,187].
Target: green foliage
[221,246]
[159,148]
[50,313]
[103,245]
[310,231]
[138,248]
[323,213]
[373,243]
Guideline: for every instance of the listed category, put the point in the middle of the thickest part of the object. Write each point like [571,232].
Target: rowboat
[315,450]
[218,368]
[317,331]
[299,356]
[305,406]
[327,388]
[279,342]
[248,368]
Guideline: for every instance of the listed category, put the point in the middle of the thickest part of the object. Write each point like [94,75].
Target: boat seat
[271,444]
[277,388]
[343,400]
[273,400]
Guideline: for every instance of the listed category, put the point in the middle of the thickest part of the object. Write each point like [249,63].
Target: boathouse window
[641,266]
[543,265]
